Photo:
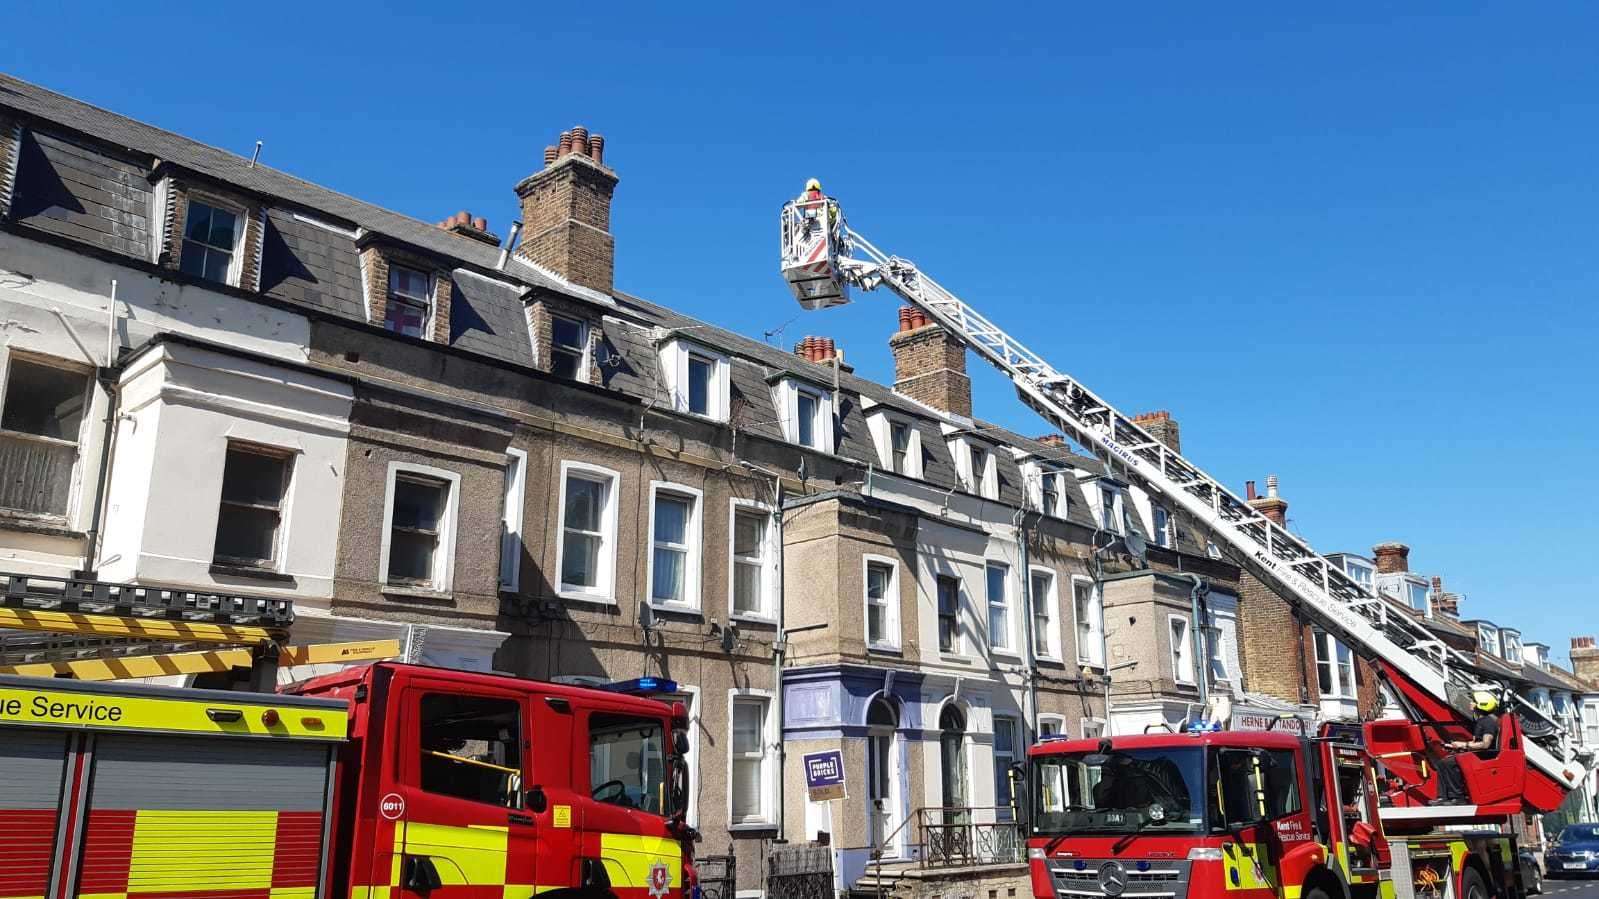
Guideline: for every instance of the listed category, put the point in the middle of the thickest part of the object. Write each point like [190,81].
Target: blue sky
[1355,250]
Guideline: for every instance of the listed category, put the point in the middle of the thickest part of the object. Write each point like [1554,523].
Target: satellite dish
[1136,544]
[646,615]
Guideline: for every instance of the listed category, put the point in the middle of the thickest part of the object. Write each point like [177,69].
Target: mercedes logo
[1112,878]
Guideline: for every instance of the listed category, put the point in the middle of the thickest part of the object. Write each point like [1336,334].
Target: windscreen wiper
[1117,847]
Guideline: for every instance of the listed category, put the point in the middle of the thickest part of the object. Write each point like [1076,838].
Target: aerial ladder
[823,260]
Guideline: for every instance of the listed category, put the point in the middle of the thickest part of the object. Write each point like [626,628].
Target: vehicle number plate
[1575,866]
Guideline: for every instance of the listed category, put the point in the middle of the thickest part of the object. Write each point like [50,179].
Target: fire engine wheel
[1471,885]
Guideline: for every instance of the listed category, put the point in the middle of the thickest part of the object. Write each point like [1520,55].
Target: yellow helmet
[813,184]
[1484,701]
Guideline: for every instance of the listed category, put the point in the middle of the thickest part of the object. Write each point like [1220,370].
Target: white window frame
[767,613]
[1361,573]
[1099,727]
[236,264]
[1117,523]
[605,591]
[1009,647]
[961,647]
[881,424]
[1058,720]
[1507,638]
[1216,662]
[891,641]
[1094,657]
[75,488]
[431,302]
[984,483]
[585,338]
[1327,654]
[1160,523]
[787,397]
[1182,650]
[696,700]
[1018,744]
[1051,608]
[1488,638]
[694,554]
[1426,597]
[675,356]
[511,520]
[768,818]
[443,580]
[289,456]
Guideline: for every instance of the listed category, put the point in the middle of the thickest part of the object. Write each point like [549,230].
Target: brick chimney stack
[566,212]
[1445,604]
[1585,659]
[930,364]
[469,226]
[1271,505]
[1392,558]
[1161,426]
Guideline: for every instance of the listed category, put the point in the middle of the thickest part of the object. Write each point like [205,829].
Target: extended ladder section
[1328,596]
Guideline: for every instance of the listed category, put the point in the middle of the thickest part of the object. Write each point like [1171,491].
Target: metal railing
[956,838]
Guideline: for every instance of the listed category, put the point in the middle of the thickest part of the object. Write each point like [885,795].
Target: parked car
[1531,872]
[1575,852]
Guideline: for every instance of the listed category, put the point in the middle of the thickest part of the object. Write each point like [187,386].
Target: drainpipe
[1027,633]
[113,396]
[1201,622]
[779,649]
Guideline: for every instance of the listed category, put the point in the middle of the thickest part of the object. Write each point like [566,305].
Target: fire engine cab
[382,781]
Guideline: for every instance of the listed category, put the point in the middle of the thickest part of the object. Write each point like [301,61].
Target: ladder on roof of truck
[822,258]
[95,630]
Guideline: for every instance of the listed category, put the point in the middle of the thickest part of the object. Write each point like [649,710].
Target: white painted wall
[182,405]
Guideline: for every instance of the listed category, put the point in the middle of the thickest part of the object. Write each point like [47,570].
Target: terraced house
[218,376]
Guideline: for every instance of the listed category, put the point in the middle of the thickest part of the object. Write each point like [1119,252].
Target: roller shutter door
[32,765]
[210,817]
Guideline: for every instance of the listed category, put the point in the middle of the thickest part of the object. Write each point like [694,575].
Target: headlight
[1036,854]
[1204,854]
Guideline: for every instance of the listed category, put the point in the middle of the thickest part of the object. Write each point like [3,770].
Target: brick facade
[538,321]
[375,261]
[176,216]
[566,217]
[930,367]
[1585,659]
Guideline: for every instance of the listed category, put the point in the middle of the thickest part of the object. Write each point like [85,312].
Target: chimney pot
[549,155]
[904,318]
[1437,584]
[597,148]
[480,223]
[1271,485]
[566,143]
[1249,490]
[580,139]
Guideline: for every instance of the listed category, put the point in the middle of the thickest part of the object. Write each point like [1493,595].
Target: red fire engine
[383,781]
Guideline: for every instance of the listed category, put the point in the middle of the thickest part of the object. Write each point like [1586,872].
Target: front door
[879,787]
[461,824]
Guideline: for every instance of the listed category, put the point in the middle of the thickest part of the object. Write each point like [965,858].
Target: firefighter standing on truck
[1484,741]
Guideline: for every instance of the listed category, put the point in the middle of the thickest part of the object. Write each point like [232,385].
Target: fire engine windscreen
[1122,791]
[628,762]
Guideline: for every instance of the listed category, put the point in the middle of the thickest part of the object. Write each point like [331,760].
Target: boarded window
[43,413]
[254,482]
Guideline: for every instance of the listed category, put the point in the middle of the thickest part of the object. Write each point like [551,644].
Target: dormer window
[898,442]
[211,236]
[975,464]
[807,414]
[696,378]
[1046,487]
[1488,638]
[1420,598]
[1359,572]
[1162,526]
[1512,646]
[569,341]
[1049,501]
[1108,508]
[410,301]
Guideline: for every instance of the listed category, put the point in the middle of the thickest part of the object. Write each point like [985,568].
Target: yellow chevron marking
[127,667]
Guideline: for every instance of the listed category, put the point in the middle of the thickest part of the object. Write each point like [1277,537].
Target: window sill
[1049,660]
[751,827]
[591,599]
[672,608]
[752,618]
[1006,654]
[423,593]
[957,658]
[884,649]
[250,572]
[12,521]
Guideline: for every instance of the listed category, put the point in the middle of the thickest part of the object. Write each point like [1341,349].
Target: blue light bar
[642,686]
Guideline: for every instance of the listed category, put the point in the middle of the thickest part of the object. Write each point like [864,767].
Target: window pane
[748,725]
[216,266]
[584,501]
[876,627]
[877,577]
[580,560]
[255,478]
[223,228]
[411,556]
[247,534]
[565,364]
[198,223]
[806,405]
[749,533]
[668,575]
[192,261]
[746,790]
[566,333]
[409,283]
[627,761]
[418,503]
[699,385]
[44,400]
[405,318]
[471,747]
[747,587]
[671,519]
